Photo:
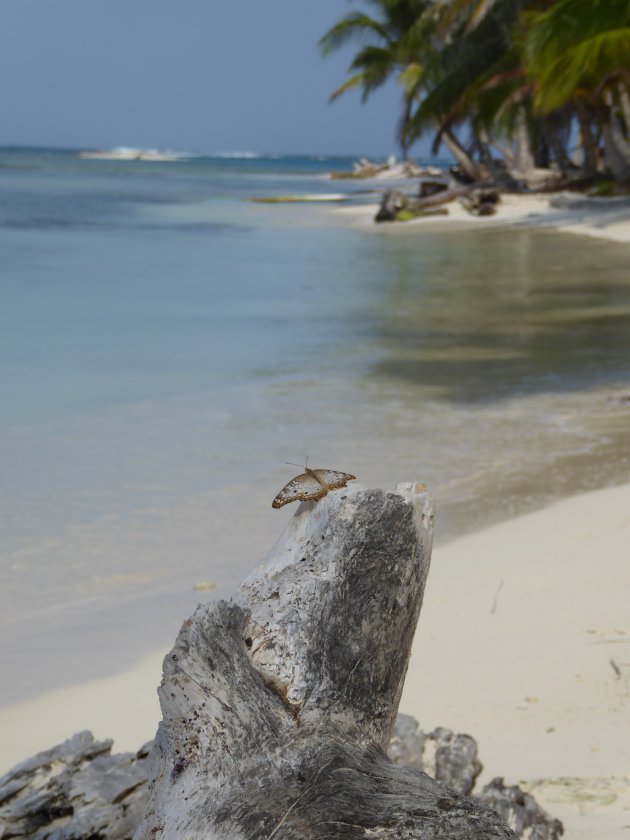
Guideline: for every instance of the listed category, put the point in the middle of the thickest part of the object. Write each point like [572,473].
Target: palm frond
[355,26]
[353,82]
[584,65]
[418,39]
[376,65]
[575,44]
[411,78]
[459,72]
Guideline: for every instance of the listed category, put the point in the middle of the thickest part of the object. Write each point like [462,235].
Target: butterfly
[311,486]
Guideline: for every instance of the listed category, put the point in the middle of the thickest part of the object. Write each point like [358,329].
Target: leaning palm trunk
[624,102]
[524,155]
[616,151]
[472,169]
[482,142]
[616,146]
[589,146]
[506,153]
[403,131]
[554,139]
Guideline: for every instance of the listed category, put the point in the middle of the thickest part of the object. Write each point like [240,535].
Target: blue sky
[191,75]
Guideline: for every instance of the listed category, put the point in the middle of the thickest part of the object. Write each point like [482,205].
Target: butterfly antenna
[301,466]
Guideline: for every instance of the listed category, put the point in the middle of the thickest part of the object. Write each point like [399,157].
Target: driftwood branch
[395,202]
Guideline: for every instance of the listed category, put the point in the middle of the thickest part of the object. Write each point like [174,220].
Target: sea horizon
[244,152]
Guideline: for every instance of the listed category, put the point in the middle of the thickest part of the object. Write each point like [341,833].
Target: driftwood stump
[79,790]
[278,707]
[75,791]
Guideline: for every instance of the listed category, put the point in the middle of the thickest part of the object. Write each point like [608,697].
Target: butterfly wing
[300,489]
[333,479]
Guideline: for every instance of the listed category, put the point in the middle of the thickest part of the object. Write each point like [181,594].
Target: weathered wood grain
[75,791]
[279,706]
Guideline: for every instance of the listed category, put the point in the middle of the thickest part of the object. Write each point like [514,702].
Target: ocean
[167,345]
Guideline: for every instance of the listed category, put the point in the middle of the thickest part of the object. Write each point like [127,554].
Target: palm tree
[515,74]
[482,80]
[471,79]
[579,50]
[396,40]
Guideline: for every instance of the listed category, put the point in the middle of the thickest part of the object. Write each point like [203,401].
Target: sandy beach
[607,218]
[523,642]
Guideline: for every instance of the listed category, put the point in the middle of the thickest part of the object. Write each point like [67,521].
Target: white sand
[124,707]
[524,642]
[605,219]
[520,626]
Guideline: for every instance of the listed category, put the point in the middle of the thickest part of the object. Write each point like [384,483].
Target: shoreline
[540,600]
[607,218]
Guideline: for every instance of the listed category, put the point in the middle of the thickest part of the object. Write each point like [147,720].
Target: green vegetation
[409,213]
[508,86]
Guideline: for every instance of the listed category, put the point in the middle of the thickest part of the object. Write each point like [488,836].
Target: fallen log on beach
[481,202]
[395,204]
[280,705]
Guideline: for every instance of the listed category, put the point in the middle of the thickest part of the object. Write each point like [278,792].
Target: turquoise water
[166,345]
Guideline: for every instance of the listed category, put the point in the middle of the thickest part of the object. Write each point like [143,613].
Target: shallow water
[165,346]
